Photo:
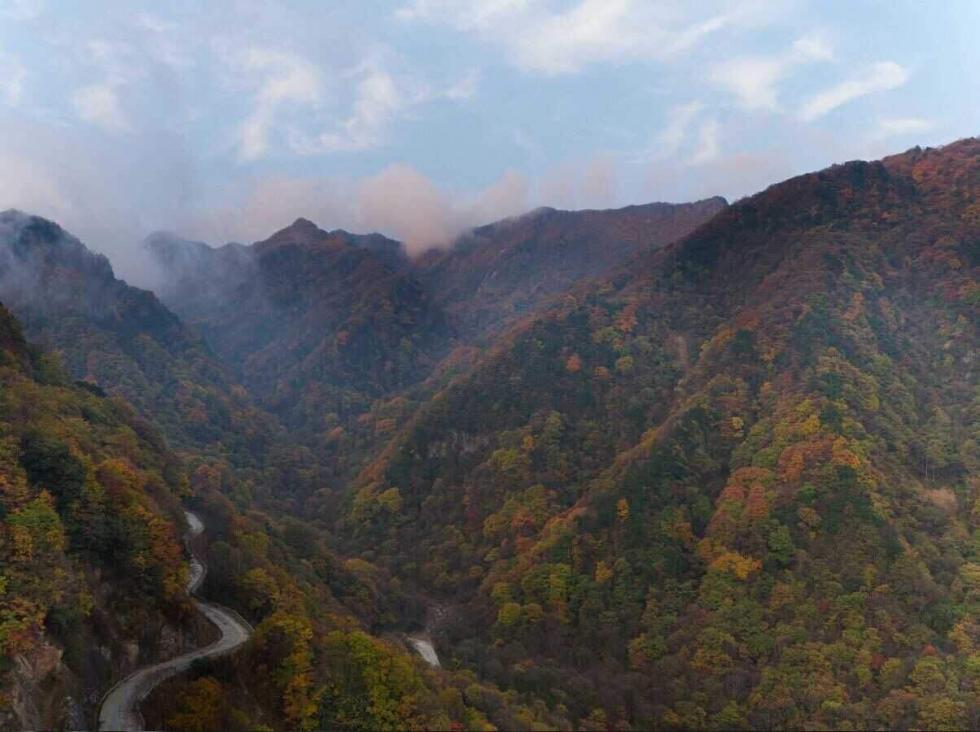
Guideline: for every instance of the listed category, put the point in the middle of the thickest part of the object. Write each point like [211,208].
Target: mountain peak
[303,224]
[12,213]
[34,245]
[304,229]
[16,221]
[301,231]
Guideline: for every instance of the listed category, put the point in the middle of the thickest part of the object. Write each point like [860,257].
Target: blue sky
[227,119]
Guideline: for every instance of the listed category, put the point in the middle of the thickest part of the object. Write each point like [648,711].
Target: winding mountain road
[120,707]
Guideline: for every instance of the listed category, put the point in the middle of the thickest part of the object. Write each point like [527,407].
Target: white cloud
[99,104]
[679,120]
[278,78]
[21,9]
[880,77]
[708,147]
[467,15]
[12,76]
[254,134]
[123,67]
[287,76]
[539,39]
[398,201]
[526,143]
[753,79]
[812,48]
[163,41]
[401,199]
[118,62]
[464,88]
[378,100]
[154,23]
[593,31]
[679,133]
[899,126]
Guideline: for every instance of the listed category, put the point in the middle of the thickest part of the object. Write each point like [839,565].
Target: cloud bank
[433,116]
[540,38]
[397,201]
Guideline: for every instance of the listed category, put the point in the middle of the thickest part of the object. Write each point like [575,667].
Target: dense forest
[91,575]
[663,467]
[732,484]
[94,572]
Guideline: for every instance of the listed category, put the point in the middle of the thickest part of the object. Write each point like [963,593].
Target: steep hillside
[91,566]
[501,272]
[119,337]
[735,484]
[124,340]
[92,578]
[342,336]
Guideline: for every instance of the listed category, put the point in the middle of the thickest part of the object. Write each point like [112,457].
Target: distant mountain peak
[301,231]
[17,221]
[303,222]
[303,227]
[32,244]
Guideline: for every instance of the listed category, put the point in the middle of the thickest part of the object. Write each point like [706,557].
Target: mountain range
[669,466]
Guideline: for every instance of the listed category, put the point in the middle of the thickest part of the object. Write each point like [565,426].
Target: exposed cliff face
[29,704]
[59,682]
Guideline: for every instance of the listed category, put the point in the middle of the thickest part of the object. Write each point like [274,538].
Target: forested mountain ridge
[734,485]
[317,324]
[321,324]
[126,341]
[501,272]
[92,578]
[732,482]
[92,572]
[121,337]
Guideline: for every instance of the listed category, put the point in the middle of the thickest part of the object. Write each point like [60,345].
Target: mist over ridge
[489,365]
